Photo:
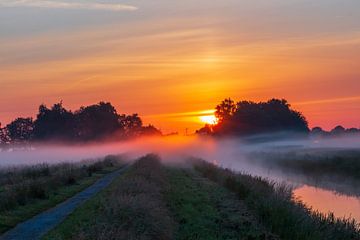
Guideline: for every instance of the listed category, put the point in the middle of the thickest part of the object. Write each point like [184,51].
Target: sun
[209,119]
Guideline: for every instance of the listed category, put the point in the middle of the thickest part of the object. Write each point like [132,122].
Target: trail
[42,223]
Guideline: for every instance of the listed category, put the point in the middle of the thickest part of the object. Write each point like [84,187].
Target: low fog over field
[308,165]
[229,152]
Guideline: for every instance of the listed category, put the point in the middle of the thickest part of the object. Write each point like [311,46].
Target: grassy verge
[28,191]
[131,208]
[275,207]
[205,210]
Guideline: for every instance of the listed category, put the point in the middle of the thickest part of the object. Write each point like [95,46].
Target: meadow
[197,200]
[28,190]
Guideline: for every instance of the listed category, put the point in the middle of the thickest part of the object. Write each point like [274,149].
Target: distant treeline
[246,118]
[95,122]
[336,132]
[101,121]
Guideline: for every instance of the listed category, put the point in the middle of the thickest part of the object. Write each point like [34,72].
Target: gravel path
[42,223]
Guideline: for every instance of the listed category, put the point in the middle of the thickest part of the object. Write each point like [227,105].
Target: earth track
[42,223]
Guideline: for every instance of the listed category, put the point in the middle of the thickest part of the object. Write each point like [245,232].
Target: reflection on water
[327,201]
[339,197]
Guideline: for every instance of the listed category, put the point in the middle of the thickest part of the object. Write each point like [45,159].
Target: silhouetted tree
[248,118]
[338,130]
[3,136]
[96,121]
[353,131]
[150,130]
[56,123]
[225,110]
[131,125]
[20,130]
[206,130]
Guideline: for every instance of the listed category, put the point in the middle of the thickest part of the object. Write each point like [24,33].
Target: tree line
[248,118]
[245,118]
[101,121]
[95,122]
[338,131]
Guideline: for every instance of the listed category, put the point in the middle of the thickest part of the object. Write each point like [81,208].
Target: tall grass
[276,208]
[206,210]
[132,208]
[20,186]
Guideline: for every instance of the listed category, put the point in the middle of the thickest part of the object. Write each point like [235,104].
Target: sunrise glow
[209,119]
[158,62]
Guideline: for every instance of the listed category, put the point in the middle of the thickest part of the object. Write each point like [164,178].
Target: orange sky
[169,60]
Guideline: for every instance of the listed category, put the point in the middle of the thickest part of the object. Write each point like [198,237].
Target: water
[340,198]
[326,201]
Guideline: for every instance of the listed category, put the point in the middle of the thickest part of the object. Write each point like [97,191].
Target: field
[29,190]
[197,200]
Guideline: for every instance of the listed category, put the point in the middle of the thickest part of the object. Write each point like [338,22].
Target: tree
[206,130]
[131,125]
[246,118]
[338,131]
[353,131]
[21,129]
[150,130]
[56,123]
[3,136]
[225,110]
[96,121]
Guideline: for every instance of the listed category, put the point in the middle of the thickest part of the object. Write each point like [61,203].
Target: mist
[257,156]
[228,152]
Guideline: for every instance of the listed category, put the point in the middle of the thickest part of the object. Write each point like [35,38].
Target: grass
[27,191]
[276,208]
[151,201]
[205,210]
[131,208]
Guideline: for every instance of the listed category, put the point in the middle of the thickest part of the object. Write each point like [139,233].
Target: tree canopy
[90,123]
[247,118]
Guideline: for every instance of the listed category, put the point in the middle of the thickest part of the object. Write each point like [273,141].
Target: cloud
[67,5]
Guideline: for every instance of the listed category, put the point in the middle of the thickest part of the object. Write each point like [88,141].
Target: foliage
[338,131]
[95,122]
[21,129]
[247,118]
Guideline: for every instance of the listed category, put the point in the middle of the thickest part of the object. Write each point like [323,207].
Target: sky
[174,61]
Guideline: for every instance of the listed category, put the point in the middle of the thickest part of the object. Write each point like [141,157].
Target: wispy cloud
[67,5]
[330,100]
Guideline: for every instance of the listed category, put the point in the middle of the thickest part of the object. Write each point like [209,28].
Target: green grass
[205,210]
[83,217]
[26,206]
[151,201]
[132,207]
[275,207]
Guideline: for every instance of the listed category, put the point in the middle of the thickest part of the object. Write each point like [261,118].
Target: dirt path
[42,223]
